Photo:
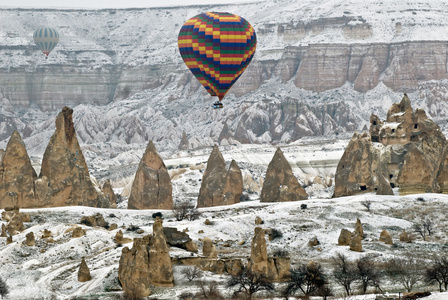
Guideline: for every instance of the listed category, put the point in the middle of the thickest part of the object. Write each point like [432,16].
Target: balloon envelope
[46,39]
[217,48]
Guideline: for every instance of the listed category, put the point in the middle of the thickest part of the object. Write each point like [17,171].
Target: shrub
[157,214]
[303,206]
[3,288]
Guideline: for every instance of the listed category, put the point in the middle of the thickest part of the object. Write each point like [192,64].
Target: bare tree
[424,228]
[191,273]
[185,210]
[306,278]
[369,274]
[208,290]
[420,230]
[249,283]
[367,203]
[406,270]
[438,272]
[3,288]
[344,272]
[428,226]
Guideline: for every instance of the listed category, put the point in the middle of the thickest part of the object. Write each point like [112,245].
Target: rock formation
[160,269]
[151,188]
[385,237]
[9,240]
[96,220]
[15,225]
[133,269]
[404,237]
[344,237]
[313,242]
[17,175]
[64,177]
[29,241]
[280,184]
[119,239]
[220,187]
[78,232]
[258,220]
[83,272]
[3,233]
[276,269]
[358,229]
[184,144]
[109,194]
[208,249]
[355,243]
[407,151]
[179,239]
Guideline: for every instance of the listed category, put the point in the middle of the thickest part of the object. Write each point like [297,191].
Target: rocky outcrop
[17,175]
[64,178]
[83,272]
[3,232]
[133,269]
[344,237]
[119,239]
[179,239]
[78,232]
[15,225]
[109,194]
[220,187]
[407,150]
[151,188]
[280,184]
[358,229]
[208,249]
[160,269]
[275,269]
[404,237]
[385,237]
[29,239]
[97,220]
[355,243]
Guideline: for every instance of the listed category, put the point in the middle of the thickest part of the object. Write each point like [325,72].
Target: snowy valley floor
[50,270]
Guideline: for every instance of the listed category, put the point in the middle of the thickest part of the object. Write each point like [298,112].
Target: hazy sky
[108,3]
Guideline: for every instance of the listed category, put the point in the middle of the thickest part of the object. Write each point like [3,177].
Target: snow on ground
[51,269]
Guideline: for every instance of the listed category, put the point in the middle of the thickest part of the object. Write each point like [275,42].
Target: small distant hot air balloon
[46,39]
[217,48]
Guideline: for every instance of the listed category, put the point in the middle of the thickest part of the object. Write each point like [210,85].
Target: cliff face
[318,69]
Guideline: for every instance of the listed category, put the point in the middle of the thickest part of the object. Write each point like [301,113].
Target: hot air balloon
[46,39]
[217,48]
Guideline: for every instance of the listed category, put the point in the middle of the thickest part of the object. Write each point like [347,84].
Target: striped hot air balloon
[217,48]
[46,39]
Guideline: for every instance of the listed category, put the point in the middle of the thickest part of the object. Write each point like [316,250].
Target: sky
[109,3]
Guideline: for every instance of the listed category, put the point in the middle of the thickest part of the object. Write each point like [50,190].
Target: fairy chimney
[64,178]
[280,184]
[109,194]
[160,269]
[16,175]
[151,188]
[83,271]
[220,187]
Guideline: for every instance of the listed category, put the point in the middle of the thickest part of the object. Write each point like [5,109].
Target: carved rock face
[151,188]
[16,175]
[64,178]
[220,187]
[407,150]
[280,184]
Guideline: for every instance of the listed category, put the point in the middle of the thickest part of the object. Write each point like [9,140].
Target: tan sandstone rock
[9,240]
[151,188]
[280,184]
[30,239]
[220,187]
[83,271]
[78,232]
[17,175]
[119,239]
[15,225]
[64,178]
[109,194]
[176,238]
[404,237]
[3,232]
[344,237]
[385,237]
[358,229]
[133,269]
[160,269]
[355,243]
[258,221]
[97,220]
[208,249]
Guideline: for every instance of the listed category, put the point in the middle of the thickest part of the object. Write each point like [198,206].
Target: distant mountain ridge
[321,67]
